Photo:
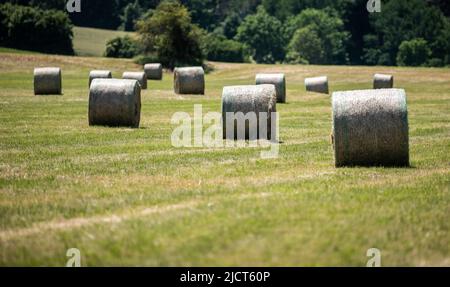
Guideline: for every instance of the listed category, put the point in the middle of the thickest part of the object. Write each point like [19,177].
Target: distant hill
[92,42]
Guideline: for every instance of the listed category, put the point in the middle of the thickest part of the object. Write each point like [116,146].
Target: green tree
[284,9]
[444,5]
[306,47]
[327,27]
[404,20]
[31,28]
[230,25]
[203,12]
[170,36]
[263,35]
[131,14]
[413,53]
[372,53]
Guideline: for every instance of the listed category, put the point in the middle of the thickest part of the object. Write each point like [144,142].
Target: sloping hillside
[92,42]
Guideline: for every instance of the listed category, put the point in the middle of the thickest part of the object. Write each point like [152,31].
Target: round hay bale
[139,76]
[381,81]
[370,128]
[245,99]
[190,80]
[115,102]
[47,81]
[275,79]
[99,74]
[153,71]
[317,84]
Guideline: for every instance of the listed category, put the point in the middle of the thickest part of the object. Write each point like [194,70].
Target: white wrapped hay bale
[139,76]
[47,81]
[115,102]
[99,74]
[190,80]
[248,99]
[278,80]
[153,71]
[317,84]
[381,81]
[370,128]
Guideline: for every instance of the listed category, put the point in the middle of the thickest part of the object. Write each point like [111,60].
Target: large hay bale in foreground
[381,81]
[370,128]
[139,76]
[278,80]
[47,81]
[99,74]
[190,80]
[115,102]
[317,84]
[245,100]
[153,71]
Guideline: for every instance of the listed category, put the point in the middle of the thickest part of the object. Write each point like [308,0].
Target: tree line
[405,32]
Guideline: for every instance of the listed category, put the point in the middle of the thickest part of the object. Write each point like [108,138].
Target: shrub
[413,53]
[435,62]
[121,47]
[145,59]
[218,48]
[47,31]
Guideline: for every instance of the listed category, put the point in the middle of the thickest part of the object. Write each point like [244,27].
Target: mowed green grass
[92,41]
[127,197]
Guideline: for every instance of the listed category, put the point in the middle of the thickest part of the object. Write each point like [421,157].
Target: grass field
[16,51]
[92,42]
[127,197]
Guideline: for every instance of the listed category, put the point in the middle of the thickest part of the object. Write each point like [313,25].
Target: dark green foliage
[441,45]
[48,31]
[121,47]
[372,52]
[219,48]
[357,37]
[413,53]
[106,14]
[443,5]
[131,14]
[170,35]
[42,4]
[203,12]
[435,62]
[264,36]
[328,34]
[306,47]
[230,25]
[404,20]
[283,9]
[356,22]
